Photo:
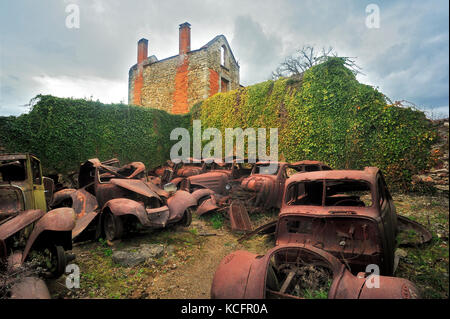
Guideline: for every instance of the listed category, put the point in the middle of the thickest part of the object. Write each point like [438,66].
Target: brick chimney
[185,38]
[142,50]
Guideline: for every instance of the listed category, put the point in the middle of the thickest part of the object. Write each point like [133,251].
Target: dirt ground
[192,254]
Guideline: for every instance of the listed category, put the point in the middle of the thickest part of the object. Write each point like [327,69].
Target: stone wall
[229,71]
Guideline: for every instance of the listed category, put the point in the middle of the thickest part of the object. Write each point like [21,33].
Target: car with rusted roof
[175,172]
[111,201]
[348,213]
[219,176]
[267,184]
[301,271]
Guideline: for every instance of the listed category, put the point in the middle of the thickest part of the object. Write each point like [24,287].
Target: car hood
[135,185]
[215,181]
[257,182]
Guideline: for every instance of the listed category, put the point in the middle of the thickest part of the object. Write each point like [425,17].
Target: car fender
[56,220]
[62,195]
[177,180]
[200,193]
[178,203]
[125,206]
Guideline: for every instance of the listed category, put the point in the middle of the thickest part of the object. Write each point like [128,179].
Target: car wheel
[112,227]
[58,262]
[187,217]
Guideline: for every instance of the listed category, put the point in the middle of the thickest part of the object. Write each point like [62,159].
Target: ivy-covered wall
[329,116]
[65,132]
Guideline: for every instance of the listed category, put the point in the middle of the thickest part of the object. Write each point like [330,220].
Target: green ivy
[329,116]
[66,132]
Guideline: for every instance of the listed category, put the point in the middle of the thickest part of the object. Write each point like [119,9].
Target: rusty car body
[176,172]
[219,176]
[348,213]
[26,225]
[284,272]
[268,186]
[111,201]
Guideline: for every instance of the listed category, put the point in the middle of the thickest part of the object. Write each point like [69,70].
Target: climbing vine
[65,132]
[328,115]
[325,115]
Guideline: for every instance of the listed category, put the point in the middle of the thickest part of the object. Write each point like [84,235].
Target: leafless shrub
[307,57]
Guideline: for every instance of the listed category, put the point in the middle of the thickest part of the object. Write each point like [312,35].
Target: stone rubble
[134,256]
[437,176]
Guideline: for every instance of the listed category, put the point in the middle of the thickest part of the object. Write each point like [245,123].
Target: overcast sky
[406,57]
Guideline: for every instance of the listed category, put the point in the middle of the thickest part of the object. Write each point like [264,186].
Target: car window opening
[337,193]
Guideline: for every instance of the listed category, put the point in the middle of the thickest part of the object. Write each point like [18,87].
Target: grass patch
[216,220]
[427,266]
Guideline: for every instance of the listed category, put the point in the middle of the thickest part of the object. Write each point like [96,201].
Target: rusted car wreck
[347,217]
[112,200]
[297,271]
[28,228]
[348,213]
[268,186]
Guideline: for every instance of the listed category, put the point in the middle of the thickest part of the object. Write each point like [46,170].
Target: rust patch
[239,217]
[288,271]
[138,84]
[213,82]
[180,96]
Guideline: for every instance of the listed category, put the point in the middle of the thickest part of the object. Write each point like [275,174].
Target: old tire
[187,217]
[58,261]
[112,227]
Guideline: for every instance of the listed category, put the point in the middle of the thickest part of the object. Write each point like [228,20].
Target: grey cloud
[258,52]
[407,57]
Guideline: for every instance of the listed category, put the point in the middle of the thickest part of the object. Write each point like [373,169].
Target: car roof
[368,174]
[308,162]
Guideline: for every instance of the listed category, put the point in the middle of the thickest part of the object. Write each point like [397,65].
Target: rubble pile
[437,176]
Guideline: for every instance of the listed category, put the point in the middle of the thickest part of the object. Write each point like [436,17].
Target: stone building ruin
[176,83]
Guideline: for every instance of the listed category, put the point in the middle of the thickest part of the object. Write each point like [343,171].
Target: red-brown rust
[216,181]
[23,219]
[243,275]
[82,223]
[125,206]
[136,186]
[239,218]
[353,232]
[200,193]
[178,204]
[62,195]
[59,220]
[207,206]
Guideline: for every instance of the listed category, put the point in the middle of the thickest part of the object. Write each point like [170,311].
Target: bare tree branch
[307,57]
